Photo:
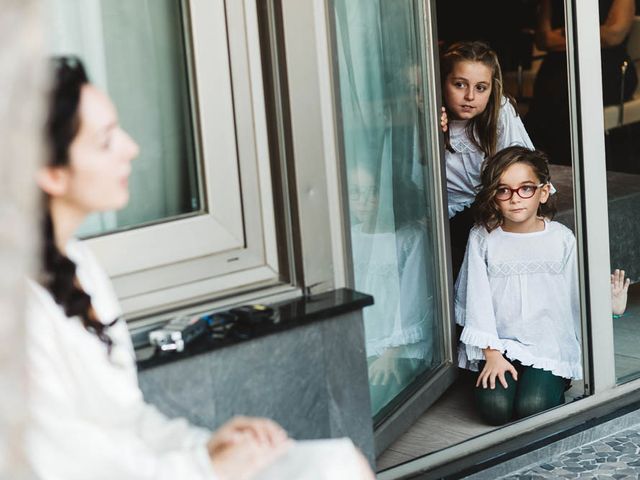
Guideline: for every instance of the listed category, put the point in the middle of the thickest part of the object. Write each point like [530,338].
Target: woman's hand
[618,23]
[619,288]
[547,38]
[444,120]
[495,366]
[245,445]
[263,430]
[245,456]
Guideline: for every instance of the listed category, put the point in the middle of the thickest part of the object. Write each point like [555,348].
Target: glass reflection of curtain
[135,51]
[380,80]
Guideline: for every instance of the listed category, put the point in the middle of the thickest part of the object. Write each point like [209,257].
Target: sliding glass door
[395,207]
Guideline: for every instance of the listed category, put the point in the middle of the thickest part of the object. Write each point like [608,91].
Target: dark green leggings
[536,390]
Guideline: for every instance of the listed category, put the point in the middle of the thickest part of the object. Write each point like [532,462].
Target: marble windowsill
[288,315]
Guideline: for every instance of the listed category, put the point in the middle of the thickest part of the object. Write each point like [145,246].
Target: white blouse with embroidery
[518,293]
[464,166]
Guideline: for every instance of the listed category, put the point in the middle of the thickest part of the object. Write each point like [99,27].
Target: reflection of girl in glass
[517,292]
[391,260]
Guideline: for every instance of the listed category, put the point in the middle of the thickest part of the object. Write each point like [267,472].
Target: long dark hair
[58,273]
[486,210]
[482,129]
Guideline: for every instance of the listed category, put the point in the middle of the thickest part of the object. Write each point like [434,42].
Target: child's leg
[538,390]
[496,406]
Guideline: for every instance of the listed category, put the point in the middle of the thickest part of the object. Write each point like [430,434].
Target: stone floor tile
[612,458]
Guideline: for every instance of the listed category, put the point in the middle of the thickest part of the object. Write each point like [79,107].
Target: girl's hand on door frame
[444,120]
[619,289]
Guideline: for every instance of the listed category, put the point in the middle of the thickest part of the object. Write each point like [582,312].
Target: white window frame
[230,247]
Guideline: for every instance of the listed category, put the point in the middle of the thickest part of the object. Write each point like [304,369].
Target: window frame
[231,246]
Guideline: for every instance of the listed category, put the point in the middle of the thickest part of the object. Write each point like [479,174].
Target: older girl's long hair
[485,207]
[482,130]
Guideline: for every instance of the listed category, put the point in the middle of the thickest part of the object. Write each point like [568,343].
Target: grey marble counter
[311,379]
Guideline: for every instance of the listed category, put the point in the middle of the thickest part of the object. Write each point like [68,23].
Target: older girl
[479,121]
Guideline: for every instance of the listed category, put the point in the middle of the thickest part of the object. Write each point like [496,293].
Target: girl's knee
[497,416]
[527,405]
[494,406]
[539,391]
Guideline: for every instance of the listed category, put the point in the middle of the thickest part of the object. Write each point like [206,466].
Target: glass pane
[530,272]
[379,69]
[622,142]
[518,285]
[136,52]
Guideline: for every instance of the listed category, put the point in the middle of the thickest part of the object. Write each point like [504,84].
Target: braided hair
[58,273]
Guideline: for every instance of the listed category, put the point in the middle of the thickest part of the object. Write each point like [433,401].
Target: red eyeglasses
[524,191]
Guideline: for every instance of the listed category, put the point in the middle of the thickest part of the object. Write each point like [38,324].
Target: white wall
[21,75]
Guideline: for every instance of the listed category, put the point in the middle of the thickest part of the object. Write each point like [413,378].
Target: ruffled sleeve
[473,305]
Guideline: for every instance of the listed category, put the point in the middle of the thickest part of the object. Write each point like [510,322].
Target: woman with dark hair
[89,420]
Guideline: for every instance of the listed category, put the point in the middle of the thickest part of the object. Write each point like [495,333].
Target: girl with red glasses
[517,292]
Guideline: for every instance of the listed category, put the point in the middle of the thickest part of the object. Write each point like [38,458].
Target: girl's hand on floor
[444,120]
[495,366]
[619,288]
[384,368]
